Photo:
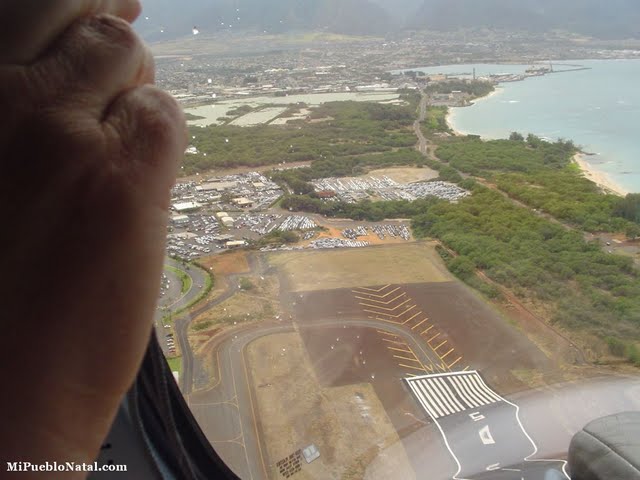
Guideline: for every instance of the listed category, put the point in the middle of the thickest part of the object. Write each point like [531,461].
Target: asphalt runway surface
[457,329]
[228,416]
[481,430]
[476,430]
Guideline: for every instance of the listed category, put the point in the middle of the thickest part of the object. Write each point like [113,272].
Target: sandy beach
[452,111]
[599,178]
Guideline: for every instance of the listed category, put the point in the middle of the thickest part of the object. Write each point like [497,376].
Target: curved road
[174,299]
[228,413]
[182,326]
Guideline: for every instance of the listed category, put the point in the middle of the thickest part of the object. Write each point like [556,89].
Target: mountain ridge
[610,19]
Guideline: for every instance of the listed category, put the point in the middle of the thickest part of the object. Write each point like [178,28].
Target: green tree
[633,231]
[516,137]
[629,207]
[462,267]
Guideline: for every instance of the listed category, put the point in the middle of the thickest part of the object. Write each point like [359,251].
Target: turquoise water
[599,109]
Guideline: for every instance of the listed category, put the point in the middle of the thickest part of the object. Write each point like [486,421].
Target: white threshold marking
[435,393]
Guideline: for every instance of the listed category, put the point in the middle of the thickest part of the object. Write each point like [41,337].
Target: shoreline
[451,113]
[601,179]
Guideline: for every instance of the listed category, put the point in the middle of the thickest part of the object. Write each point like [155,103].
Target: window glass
[404,242]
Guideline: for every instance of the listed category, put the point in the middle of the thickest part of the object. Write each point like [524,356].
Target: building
[236,244]
[227,221]
[185,207]
[180,220]
[221,215]
[243,202]
[216,186]
[223,239]
[207,187]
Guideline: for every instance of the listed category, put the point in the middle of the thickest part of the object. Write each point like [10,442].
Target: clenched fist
[89,150]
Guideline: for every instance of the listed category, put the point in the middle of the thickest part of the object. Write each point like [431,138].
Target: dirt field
[406,175]
[227,263]
[347,423]
[259,303]
[329,269]
[243,299]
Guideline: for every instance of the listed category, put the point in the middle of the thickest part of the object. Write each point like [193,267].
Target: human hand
[89,151]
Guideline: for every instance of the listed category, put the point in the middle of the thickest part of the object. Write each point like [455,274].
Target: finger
[148,127]
[32,25]
[96,59]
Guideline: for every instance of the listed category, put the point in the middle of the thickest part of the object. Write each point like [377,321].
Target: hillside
[611,19]
[597,18]
[353,17]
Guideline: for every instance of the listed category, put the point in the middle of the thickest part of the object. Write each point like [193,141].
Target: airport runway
[491,437]
[452,423]
[482,431]
[227,412]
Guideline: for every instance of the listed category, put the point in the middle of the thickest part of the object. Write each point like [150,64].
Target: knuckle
[112,31]
[160,108]
[146,115]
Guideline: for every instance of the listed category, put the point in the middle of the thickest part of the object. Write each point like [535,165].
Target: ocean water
[599,109]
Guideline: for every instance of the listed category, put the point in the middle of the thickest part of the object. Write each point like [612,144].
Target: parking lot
[231,211]
[263,223]
[353,190]
[382,231]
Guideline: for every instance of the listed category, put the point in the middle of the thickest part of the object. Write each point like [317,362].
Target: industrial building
[185,207]
[243,202]
[180,220]
[236,244]
[227,222]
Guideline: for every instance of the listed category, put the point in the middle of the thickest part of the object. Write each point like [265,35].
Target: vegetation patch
[185,279]
[537,259]
[543,176]
[175,364]
[355,128]
[475,88]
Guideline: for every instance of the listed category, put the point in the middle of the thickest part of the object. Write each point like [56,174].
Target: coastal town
[349,63]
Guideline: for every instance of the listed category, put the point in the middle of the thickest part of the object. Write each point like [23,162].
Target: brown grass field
[347,423]
[391,264]
[227,263]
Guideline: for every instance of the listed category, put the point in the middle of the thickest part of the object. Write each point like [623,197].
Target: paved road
[228,415]
[422,141]
[182,326]
[550,415]
[174,299]
[227,412]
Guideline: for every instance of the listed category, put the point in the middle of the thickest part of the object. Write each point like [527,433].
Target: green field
[351,128]
[175,364]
